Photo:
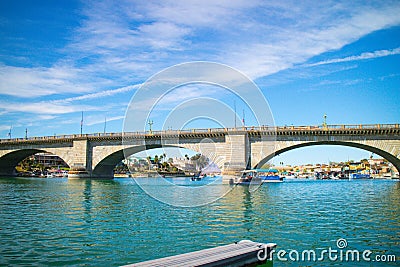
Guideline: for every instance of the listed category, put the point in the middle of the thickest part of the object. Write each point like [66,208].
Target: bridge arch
[388,156]
[105,166]
[10,160]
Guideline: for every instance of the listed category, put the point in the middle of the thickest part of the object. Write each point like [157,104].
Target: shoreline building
[48,160]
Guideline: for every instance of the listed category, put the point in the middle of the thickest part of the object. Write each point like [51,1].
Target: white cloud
[125,42]
[363,56]
[46,108]
[4,128]
[93,120]
[45,117]
[34,82]
[141,39]
[323,33]
[162,35]
[184,93]
[101,94]
[205,13]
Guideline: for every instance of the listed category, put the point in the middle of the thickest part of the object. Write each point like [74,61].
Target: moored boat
[78,173]
[359,176]
[198,177]
[259,176]
[268,175]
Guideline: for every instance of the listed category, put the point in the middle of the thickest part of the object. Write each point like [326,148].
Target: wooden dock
[243,253]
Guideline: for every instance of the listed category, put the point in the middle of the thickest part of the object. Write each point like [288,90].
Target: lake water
[109,223]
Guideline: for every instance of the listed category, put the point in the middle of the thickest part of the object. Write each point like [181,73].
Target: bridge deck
[242,253]
[274,130]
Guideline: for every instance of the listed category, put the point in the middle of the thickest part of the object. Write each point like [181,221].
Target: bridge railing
[211,130]
[361,126]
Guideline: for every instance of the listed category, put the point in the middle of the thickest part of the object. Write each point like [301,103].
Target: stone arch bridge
[232,149]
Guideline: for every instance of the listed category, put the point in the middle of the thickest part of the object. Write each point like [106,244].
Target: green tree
[41,167]
[165,165]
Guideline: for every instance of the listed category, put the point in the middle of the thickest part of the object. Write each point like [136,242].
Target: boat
[198,177]
[78,173]
[359,176]
[246,179]
[288,176]
[303,176]
[332,176]
[268,175]
[259,176]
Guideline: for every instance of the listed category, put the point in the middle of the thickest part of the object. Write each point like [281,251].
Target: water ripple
[102,223]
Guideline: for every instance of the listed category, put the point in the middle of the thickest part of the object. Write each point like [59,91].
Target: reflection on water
[94,222]
[183,192]
[87,203]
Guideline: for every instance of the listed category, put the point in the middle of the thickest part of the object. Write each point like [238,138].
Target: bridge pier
[236,153]
[81,167]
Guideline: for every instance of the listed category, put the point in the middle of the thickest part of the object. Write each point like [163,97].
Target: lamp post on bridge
[150,122]
[324,125]
[9,133]
[81,122]
[105,124]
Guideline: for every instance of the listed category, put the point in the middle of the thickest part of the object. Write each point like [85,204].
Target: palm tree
[165,165]
[149,161]
[156,159]
[161,159]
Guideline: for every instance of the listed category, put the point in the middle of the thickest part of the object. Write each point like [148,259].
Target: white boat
[304,176]
[333,177]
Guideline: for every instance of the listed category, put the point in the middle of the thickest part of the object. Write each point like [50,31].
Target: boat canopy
[261,170]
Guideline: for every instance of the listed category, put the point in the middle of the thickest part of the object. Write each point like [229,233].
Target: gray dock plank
[236,254]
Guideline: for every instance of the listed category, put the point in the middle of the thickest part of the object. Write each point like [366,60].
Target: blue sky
[59,58]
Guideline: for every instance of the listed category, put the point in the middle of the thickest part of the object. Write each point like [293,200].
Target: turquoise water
[109,223]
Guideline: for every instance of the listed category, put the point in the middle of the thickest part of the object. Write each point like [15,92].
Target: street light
[324,123]
[9,133]
[81,122]
[150,122]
